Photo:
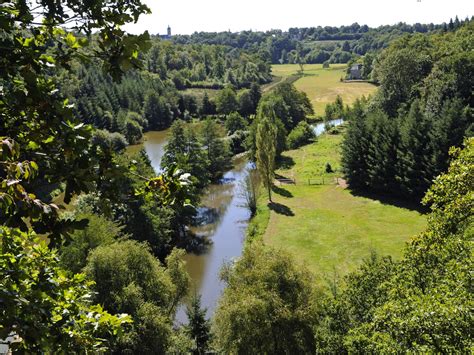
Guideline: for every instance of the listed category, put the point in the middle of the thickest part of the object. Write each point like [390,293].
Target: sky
[188,16]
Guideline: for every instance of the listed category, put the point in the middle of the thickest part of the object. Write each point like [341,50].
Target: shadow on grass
[280,209]
[392,200]
[285,162]
[281,191]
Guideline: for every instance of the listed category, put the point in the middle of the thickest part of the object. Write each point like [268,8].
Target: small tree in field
[266,151]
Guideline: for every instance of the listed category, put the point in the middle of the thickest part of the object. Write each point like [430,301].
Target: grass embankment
[322,85]
[326,226]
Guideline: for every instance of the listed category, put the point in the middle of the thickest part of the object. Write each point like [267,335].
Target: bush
[237,141]
[109,141]
[329,168]
[302,134]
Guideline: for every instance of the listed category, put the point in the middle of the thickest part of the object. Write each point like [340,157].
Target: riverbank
[321,222]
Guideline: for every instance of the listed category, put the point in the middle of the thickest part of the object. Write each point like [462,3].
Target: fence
[323,180]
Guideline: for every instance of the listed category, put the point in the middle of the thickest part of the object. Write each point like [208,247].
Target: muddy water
[222,220]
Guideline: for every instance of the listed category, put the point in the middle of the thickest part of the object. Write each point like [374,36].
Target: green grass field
[325,226]
[323,85]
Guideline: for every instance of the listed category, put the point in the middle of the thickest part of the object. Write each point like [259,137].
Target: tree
[250,190]
[413,153]
[266,152]
[234,122]
[300,135]
[268,306]
[207,107]
[128,278]
[355,147]
[226,101]
[246,106]
[156,111]
[198,327]
[99,231]
[45,307]
[420,303]
[217,151]
[255,95]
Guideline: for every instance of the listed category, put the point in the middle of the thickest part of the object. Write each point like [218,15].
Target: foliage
[130,279]
[198,327]
[314,44]
[216,149]
[43,305]
[250,190]
[235,122]
[268,305]
[48,308]
[226,101]
[266,152]
[99,231]
[399,141]
[422,303]
[335,110]
[300,135]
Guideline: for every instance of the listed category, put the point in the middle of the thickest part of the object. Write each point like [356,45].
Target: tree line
[398,141]
[316,44]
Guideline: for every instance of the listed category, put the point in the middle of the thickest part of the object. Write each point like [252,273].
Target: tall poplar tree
[266,152]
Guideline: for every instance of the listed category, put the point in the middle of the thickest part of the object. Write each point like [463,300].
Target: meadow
[327,227]
[322,85]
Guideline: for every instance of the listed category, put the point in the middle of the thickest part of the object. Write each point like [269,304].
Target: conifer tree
[354,149]
[413,153]
[198,328]
[207,107]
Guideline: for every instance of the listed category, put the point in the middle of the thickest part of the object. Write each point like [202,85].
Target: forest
[93,239]
[316,44]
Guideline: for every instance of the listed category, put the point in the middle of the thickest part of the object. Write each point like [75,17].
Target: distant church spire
[169,31]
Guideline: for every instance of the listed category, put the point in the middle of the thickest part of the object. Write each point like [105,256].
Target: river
[222,219]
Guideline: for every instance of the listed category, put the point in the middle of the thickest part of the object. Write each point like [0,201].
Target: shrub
[302,134]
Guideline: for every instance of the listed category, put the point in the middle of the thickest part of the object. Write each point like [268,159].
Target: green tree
[300,135]
[207,106]
[45,307]
[235,122]
[246,106]
[198,327]
[99,231]
[354,149]
[267,307]
[266,151]
[413,154]
[156,111]
[226,101]
[255,95]
[130,279]
[217,150]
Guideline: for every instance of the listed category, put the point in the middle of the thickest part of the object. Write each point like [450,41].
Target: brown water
[223,221]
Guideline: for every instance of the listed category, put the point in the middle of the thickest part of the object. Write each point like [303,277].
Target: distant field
[326,226]
[323,85]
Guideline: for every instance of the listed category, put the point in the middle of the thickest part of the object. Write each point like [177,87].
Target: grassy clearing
[199,93]
[323,85]
[325,226]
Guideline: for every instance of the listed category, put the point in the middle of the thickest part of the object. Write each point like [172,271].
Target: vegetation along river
[222,218]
